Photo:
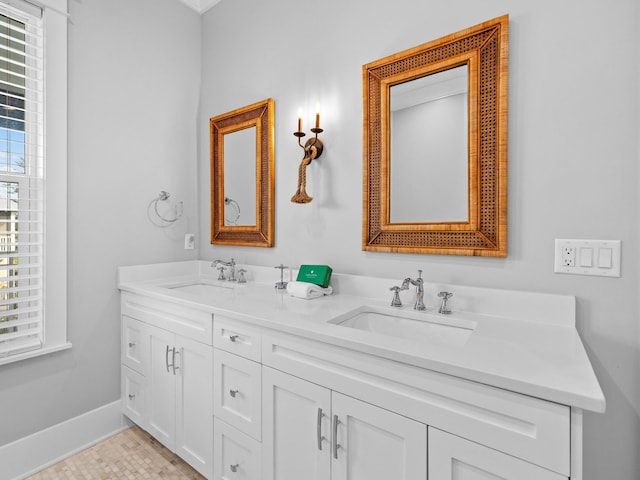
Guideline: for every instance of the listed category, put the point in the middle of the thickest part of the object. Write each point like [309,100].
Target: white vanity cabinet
[167,376]
[314,433]
[251,386]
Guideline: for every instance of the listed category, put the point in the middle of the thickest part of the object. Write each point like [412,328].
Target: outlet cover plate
[588,257]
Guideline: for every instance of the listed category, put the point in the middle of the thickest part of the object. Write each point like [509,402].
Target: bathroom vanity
[245,382]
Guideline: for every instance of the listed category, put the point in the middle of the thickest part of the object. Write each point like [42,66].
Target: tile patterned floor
[130,455]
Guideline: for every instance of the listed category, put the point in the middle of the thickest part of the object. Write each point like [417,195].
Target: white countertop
[524,342]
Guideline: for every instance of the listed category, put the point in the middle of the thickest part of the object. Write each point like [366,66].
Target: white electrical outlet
[587,257]
[189,241]
[568,256]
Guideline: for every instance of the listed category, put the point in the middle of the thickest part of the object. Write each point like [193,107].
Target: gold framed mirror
[435,146]
[242,176]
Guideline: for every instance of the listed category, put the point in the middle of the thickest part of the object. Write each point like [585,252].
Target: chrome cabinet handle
[166,358]
[234,467]
[171,366]
[173,360]
[319,429]
[131,396]
[336,446]
[234,392]
[233,338]
[132,344]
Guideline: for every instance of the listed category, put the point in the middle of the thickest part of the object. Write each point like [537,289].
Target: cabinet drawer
[237,337]
[135,345]
[237,392]
[235,455]
[133,396]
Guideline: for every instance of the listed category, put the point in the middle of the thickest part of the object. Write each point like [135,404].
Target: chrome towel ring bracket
[162,212]
[230,217]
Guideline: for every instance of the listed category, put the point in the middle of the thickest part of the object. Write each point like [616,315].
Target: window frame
[55,19]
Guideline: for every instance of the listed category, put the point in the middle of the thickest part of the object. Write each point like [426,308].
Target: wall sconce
[312,149]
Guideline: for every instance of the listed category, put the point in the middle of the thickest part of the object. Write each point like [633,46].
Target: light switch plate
[587,257]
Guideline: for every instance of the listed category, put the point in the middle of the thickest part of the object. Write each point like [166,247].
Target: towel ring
[161,220]
[229,220]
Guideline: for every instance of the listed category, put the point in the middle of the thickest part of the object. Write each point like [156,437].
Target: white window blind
[21,178]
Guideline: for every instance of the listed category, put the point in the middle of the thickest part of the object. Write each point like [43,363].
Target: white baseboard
[35,452]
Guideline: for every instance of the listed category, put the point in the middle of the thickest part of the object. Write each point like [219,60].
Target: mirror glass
[240,177]
[429,148]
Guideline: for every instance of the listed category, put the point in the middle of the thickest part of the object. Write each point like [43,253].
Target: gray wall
[573,146]
[133,98]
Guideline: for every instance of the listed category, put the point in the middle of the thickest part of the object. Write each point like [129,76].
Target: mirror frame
[261,116]
[484,48]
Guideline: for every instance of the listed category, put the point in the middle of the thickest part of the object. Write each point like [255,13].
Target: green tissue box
[317,274]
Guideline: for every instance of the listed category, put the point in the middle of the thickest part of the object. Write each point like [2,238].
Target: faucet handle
[221,274]
[281,285]
[396,296]
[444,308]
[241,278]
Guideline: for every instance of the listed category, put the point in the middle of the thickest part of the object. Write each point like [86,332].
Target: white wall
[133,98]
[573,149]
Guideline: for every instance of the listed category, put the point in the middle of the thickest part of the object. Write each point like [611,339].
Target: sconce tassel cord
[312,149]
[301,194]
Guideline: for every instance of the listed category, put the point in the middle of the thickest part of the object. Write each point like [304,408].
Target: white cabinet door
[371,443]
[312,433]
[454,458]
[194,403]
[296,428]
[161,403]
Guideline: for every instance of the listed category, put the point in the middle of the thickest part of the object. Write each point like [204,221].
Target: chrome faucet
[419,284]
[232,269]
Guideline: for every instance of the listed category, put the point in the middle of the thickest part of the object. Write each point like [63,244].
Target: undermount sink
[202,288]
[409,324]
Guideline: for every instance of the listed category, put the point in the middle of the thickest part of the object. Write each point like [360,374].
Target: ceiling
[200,6]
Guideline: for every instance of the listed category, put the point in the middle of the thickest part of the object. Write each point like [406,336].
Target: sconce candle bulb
[313,148]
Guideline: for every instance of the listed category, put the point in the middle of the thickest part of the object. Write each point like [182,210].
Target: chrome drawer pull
[234,468]
[233,338]
[132,344]
[131,396]
[234,392]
